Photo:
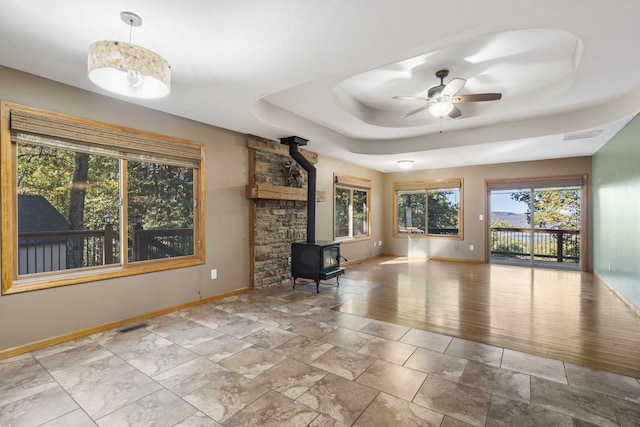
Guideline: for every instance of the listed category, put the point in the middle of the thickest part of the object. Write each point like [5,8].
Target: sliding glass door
[536,222]
[510,232]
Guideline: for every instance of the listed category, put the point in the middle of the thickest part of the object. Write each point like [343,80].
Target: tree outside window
[443,211]
[412,208]
[428,208]
[160,206]
[360,213]
[95,200]
[342,206]
[81,189]
[351,208]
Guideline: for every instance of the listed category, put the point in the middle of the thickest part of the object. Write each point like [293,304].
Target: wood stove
[312,260]
[316,261]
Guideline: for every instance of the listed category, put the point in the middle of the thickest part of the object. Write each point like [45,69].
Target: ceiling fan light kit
[440,108]
[126,69]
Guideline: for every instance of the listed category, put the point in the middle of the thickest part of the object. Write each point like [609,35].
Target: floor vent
[581,135]
[132,328]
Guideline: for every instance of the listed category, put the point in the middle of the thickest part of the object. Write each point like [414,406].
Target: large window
[537,221]
[351,207]
[428,208]
[84,201]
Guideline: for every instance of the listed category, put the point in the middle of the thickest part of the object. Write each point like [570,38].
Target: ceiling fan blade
[453,87]
[455,112]
[478,97]
[411,98]
[417,110]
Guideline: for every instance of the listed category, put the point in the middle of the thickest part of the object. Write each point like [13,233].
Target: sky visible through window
[501,201]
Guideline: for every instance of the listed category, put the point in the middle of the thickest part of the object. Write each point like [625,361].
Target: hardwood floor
[564,315]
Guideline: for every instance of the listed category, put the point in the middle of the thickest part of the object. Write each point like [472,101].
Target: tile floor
[282,357]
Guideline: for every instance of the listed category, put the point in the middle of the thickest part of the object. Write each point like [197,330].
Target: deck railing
[40,252]
[548,244]
[162,243]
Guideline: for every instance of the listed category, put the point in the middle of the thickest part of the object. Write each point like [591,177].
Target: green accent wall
[616,211]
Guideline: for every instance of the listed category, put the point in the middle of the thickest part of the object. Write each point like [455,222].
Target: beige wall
[474,205]
[362,248]
[33,316]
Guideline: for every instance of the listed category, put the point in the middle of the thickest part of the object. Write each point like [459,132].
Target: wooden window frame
[429,185]
[352,183]
[171,150]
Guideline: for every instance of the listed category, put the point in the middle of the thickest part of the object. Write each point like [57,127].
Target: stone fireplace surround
[277,214]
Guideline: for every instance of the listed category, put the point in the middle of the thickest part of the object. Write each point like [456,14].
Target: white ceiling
[327,70]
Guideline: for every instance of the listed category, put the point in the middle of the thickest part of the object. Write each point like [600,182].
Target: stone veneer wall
[277,223]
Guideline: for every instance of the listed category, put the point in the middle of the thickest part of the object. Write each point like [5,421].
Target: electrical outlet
[379,242]
[472,247]
[610,267]
[375,244]
[214,274]
[481,217]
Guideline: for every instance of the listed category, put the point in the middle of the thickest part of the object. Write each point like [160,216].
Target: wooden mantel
[279,192]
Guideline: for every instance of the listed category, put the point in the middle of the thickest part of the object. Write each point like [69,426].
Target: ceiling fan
[441,98]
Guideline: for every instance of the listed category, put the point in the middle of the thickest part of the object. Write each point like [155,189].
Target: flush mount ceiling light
[405,164]
[127,69]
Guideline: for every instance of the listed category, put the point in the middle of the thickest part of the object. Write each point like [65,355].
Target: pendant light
[126,69]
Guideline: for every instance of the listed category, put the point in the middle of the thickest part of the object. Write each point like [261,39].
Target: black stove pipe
[293,142]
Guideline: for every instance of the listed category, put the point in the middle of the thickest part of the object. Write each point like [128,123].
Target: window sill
[352,240]
[47,280]
[430,236]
